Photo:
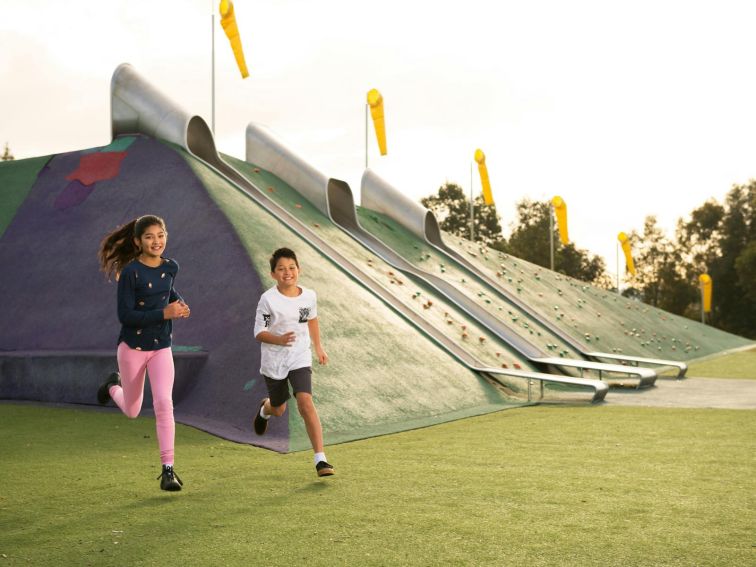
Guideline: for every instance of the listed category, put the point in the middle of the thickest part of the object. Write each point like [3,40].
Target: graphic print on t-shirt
[266,317]
[304,314]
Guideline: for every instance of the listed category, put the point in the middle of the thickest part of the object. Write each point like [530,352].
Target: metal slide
[334,199]
[138,107]
[380,196]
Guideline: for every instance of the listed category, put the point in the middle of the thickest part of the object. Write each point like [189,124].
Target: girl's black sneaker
[103,392]
[169,480]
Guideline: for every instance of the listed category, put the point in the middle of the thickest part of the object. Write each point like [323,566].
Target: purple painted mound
[58,325]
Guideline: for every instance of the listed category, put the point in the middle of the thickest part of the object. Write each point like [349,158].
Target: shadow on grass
[314,487]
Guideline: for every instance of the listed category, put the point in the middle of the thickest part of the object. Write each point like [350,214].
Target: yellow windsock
[625,242]
[560,208]
[480,157]
[375,100]
[705,280]
[228,21]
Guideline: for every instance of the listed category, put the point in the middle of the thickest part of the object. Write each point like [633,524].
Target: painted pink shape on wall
[97,167]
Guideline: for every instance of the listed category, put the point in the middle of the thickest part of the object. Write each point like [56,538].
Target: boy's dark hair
[282,253]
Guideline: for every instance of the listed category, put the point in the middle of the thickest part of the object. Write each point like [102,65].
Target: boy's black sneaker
[324,469]
[169,480]
[103,392]
[261,424]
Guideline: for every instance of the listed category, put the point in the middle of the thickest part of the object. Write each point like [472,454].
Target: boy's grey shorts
[278,390]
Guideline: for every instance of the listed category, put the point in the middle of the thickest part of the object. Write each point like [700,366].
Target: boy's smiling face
[286,274]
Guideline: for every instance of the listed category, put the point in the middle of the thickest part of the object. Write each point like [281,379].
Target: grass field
[735,365]
[530,486]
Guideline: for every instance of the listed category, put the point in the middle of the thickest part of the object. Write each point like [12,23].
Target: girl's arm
[314,329]
[129,316]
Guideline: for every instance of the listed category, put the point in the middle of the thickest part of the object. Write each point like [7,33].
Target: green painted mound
[427,258]
[598,319]
[383,375]
[425,302]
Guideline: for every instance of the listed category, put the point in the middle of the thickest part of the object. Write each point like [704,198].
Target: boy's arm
[262,323]
[314,328]
[282,340]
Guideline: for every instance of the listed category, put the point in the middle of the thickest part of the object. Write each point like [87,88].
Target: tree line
[718,239]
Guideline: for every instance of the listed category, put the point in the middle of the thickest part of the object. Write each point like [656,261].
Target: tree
[734,306]
[660,272]
[7,155]
[530,241]
[745,266]
[452,208]
[700,236]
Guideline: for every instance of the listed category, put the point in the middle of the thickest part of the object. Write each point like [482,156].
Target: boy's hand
[322,355]
[287,339]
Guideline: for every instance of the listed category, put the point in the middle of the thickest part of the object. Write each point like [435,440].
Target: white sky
[622,108]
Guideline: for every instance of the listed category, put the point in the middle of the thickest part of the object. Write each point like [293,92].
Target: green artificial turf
[734,365]
[530,486]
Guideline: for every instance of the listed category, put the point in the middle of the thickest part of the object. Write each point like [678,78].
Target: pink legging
[132,365]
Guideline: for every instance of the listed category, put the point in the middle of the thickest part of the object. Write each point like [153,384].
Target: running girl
[147,305]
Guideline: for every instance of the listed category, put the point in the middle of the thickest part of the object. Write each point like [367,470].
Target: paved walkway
[719,393]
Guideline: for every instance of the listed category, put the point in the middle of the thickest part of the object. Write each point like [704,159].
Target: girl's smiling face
[286,274]
[152,242]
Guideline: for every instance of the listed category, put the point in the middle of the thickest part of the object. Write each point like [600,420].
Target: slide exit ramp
[378,195]
[138,107]
[334,199]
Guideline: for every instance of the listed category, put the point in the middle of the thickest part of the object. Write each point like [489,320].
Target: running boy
[285,323]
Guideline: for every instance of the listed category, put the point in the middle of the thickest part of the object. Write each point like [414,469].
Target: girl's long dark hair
[118,249]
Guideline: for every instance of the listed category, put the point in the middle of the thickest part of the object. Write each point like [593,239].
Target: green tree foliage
[530,241]
[700,237]
[716,239]
[660,277]
[745,266]
[7,155]
[733,302]
[452,209]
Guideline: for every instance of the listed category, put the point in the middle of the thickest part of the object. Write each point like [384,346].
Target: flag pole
[472,207]
[618,268]
[366,135]
[551,235]
[212,67]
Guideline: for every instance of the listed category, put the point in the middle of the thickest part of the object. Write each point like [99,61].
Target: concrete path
[718,393]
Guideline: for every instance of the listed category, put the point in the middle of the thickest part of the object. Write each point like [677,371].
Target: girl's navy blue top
[143,293]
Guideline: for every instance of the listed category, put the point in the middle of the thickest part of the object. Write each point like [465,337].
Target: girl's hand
[187,312]
[287,339]
[322,355]
[176,310]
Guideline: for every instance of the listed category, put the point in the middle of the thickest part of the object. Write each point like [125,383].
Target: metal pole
[703,313]
[366,135]
[472,208]
[618,268]
[212,73]
[551,235]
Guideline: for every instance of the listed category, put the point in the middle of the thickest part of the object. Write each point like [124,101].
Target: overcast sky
[624,109]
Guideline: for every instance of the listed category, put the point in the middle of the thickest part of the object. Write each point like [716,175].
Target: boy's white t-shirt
[279,314]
